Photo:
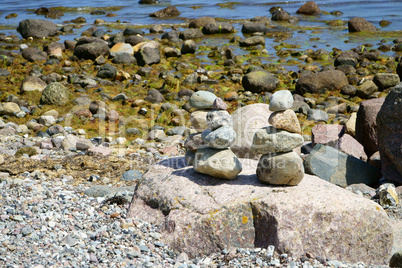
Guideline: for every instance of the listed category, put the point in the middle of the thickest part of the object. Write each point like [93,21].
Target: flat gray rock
[271,140]
[200,215]
[339,168]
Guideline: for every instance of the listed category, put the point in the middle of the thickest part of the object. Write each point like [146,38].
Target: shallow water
[130,12]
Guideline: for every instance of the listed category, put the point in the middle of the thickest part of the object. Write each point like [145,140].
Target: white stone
[281,101]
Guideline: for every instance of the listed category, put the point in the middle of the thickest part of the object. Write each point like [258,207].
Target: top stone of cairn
[281,101]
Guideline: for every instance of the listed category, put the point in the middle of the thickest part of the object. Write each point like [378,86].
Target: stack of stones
[279,164]
[212,155]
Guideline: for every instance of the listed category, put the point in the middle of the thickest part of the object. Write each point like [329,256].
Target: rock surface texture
[389,127]
[200,215]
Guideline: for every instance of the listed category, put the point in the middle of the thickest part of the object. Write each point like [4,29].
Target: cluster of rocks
[279,164]
[211,154]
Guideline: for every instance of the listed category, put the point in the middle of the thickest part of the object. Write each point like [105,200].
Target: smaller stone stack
[279,164]
[215,158]
[203,102]
[208,151]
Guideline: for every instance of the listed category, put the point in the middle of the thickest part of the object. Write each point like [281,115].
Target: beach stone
[339,168]
[132,175]
[389,130]
[219,104]
[358,24]
[83,144]
[202,100]
[9,108]
[280,15]
[366,89]
[259,81]
[32,83]
[34,54]
[112,116]
[89,48]
[217,163]
[157,134]
[285,120]
[193,142]
[120,48]
[218,28]
[253,27]
[191,34]
[36,28]
[149,53]
[260,215]
[271,140]
[46,120]
[107,71]
[97,106]
[280,169]
[281,101]
[198,120]
[55,94]
[55,49]
[219,118]
[331,80]
[171,52]
[219,138]
[351,146]
[326,134]
[252,41]
[366,125]
[387,194]
[2,161]
[154,96]
[201,22]
[317,115]
[170,11]
[309,8]
[172,36]
[246,121]
[386,80]
[105,151]
[135,40]
[188,47]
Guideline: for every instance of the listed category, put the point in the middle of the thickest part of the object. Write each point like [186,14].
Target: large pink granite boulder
[200,215]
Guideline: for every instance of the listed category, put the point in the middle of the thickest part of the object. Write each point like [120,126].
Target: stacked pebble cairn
[279,164]
[209,151]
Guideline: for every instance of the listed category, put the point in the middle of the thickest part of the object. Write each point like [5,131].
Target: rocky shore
[84,121]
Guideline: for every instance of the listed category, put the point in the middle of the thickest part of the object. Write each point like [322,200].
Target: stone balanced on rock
[214,157]
[279,164]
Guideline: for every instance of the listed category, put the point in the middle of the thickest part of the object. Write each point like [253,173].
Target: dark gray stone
[36,28]
[339,168]
[107,71]
[259,81]
[389,131]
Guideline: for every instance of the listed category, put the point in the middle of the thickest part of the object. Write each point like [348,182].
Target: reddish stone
[171,150]
[326,134]
[83,113]
[351,146]
[112,116]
